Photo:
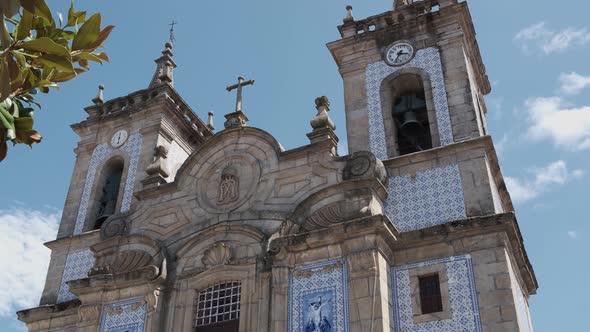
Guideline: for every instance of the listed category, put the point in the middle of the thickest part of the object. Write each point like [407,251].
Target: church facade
[170,226]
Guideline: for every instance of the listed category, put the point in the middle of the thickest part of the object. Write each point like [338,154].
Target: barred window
[430,295]
[218,307]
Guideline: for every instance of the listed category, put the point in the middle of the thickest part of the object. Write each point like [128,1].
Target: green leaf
[103,56]
[13,72]
[83,63]
[9,7]
[38,8]
[5,38]
[61,19]
[5,125]
[28,137]
[88,33]
[24,123]
[81,18]
[5,89]
[71,15]
[74,17]
[89,56]
[4,107]
[104,34]
[25,25]
[63,76]
[58,62]
[44,85]
[46,45]
[68,35]
[6,119]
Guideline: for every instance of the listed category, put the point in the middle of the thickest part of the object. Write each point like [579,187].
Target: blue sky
[539,116]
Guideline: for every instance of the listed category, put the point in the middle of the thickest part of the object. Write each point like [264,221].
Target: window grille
[430,296]
[218,305]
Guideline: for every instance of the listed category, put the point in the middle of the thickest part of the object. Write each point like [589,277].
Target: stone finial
[157,171]
[322,119]
[322,124]
[210,121]
[349,17]
[165,67]
[99,99]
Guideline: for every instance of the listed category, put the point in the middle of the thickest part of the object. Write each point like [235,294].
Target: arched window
[108,192]
[218,308]
[410,115]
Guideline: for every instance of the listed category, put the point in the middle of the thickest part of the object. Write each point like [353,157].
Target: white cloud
[578,173]
[495,106]
[573,83]
[543,179]
[551,41]
[24,257]
[520,191]
[502,144]
[551,118]
[572,235]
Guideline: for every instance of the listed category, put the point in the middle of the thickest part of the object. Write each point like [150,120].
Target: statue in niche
[229,186]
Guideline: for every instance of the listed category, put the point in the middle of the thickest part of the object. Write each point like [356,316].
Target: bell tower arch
[409,117]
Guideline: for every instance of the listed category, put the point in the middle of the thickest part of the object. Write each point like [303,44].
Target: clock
[399,54]
[119,138]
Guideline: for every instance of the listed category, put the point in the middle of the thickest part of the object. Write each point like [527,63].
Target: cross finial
[172,39]
[237,118]
[241,83]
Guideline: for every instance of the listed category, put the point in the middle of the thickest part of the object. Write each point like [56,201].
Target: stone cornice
[505,222]
[463,147]
[143,100]
[53,311]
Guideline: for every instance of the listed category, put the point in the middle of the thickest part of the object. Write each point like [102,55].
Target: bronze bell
[407,106]
[411,126]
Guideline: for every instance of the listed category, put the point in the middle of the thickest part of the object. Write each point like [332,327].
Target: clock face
[119,138]
[399,54]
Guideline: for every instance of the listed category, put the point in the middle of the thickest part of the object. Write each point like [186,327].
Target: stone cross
[241,83]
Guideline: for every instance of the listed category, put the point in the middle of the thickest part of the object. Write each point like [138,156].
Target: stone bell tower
[126,144]
[414,83]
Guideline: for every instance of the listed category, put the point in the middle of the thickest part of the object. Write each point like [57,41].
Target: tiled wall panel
[318,298]
[429,198]
[128,316]
[77,266]
[462,297]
